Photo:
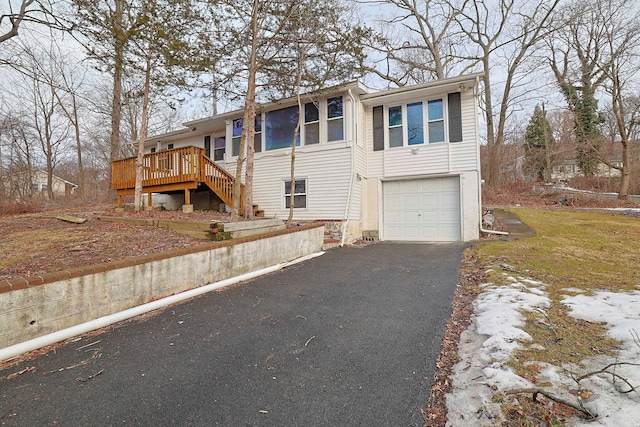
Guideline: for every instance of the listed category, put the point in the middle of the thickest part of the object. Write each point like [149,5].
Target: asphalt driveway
[346,339]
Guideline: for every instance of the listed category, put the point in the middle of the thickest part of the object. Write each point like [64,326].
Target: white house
[400,164]
[60,187]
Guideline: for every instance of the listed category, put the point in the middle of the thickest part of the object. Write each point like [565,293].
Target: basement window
[299,194]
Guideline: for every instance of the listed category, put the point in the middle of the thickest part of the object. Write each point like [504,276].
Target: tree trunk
[76,125]
[296,132]
[494,156]
[143,133]
[116,103]
[625,179]
[250,114]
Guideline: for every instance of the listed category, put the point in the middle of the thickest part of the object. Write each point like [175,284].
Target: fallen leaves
[42,245]
[17,374]
[471,275]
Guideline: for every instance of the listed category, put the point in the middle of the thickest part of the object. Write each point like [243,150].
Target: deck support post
[187,207]
[149,203]
[119,208]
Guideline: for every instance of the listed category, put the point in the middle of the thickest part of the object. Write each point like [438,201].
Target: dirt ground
[37,243]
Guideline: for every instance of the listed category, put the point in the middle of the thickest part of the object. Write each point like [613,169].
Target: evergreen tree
[538,146]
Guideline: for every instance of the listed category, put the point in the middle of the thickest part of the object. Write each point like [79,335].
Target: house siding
[326,172]
[345,179]
[438,158]
[423,161]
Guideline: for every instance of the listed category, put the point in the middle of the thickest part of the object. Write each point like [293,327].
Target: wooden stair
[219,181]
[257,212]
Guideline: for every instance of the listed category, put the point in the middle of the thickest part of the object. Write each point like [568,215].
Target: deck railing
[174,167]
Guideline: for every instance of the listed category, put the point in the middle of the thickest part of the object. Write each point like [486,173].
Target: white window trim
[303,127]
[306,194]
[445,121]
[425,122]
[324,139]
[323,127]
[213,148]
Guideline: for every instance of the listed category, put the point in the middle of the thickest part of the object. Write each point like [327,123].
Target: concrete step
[330,244]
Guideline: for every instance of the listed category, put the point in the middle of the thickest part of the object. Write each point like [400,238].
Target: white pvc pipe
[101,322]
[502,233]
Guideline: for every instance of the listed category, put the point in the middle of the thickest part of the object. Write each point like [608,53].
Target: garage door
[425,210]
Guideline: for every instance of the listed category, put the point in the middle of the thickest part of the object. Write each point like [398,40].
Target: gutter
[101,322]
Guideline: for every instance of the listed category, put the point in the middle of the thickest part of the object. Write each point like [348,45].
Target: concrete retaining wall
[40,305]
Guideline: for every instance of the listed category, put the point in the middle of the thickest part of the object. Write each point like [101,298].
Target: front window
[280,126]
[236,134]
[219,145]
[409,124]
[436,120]
[299,194]
[396,130]
[311,123]
[415,131]
[335,119]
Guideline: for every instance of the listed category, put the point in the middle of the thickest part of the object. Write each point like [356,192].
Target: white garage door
[425,210]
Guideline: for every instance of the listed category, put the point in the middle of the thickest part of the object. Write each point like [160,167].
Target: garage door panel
[411,201]
[422,210]
[429,199]
[449,184]
[430,233]
[427,185]
[449,199]
[394,232]
[431,217]
[411,217]
[392,200]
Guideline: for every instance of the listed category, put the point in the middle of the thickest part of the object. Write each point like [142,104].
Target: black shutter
[207,146]
[455,117]
[378,129]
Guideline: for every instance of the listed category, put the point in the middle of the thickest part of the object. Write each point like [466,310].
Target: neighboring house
[568,169]
[38,184]
[400,164]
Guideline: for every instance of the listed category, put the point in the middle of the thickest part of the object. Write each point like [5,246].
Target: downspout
[482,230]
[354,135]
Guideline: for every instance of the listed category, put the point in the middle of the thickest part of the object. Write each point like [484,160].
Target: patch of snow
[573,290]
[485,346]
[497,330]
[620,312]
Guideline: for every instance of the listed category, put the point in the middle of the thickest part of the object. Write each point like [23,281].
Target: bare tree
[18,140]
[597,49]
[576,52]
[269,61]
[420,43]
[16,13]
[108,28]
[512,31]
[623,43]
[53,68]
[454,36]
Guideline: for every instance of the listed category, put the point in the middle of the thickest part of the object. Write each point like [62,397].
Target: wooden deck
[171,170]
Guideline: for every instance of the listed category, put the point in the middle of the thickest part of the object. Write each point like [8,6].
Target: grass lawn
[590,250]
[574,252]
